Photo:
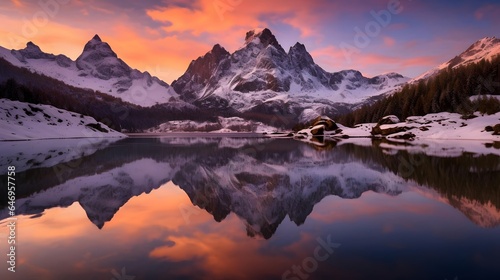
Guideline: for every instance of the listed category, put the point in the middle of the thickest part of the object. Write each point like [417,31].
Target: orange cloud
[429,61]
[208,16]
[222,257]
[17,3]
[52,37]
[166,57]
[164,39]
[220,250]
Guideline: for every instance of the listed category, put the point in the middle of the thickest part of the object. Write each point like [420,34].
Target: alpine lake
[208,206]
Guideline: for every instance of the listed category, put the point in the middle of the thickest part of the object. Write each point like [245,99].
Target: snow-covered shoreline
[25,121]
[439,126]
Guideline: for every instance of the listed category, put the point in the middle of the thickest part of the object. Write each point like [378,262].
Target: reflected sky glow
[151,229]
[170,231]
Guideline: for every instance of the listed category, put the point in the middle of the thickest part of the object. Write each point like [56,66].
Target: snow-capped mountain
[97,68]
[263,72]
[486,48]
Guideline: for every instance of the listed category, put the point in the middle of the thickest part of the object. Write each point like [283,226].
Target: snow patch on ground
[22,121]
[449,126]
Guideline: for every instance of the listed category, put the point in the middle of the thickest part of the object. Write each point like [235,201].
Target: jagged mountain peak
[488,41]
[97,38]
[200,72]
[298,47]
[256,33]
[351,72]
[98,68]
[263,37]
[101,61]
[31,51]
[218,51]
[31,45]
[392,75]
[97,46]
[299,54]
[222,80]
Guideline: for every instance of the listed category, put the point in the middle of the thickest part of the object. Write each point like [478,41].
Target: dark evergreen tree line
[448,91]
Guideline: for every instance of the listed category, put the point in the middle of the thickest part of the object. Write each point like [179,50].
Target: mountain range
[97,68]
[260,81]
[262,77]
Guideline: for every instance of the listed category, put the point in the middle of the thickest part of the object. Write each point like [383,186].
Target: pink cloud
[411,44]
[220,16]
[488,12]
[333,58]
[371,204]
[389,42]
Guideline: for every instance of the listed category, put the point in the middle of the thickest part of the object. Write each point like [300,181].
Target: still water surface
[250,208]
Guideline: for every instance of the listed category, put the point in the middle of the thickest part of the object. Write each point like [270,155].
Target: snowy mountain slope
[20,121]
[97,68]
[263,72]
[486,48]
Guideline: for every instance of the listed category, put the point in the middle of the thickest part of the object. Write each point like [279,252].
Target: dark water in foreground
[236,208]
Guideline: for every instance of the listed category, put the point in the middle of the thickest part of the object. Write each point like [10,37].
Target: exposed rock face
[320,126]
[261,76]
[100,61]
[391,119]
[496,129]
[326,122]
[200,73]
[33,51]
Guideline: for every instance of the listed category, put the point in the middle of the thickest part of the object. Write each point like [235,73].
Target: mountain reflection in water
[160,196]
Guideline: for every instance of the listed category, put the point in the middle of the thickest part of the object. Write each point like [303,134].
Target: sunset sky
[162,37]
